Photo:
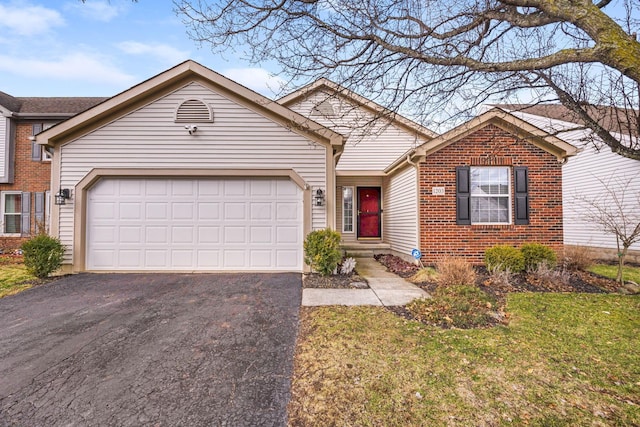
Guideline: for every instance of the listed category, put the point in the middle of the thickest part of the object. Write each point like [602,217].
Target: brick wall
[31,176]
[490,145]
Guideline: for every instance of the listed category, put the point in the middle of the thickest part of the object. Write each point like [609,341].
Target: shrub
[322,251]
[455,271]
[577,258]
[503,257]
[535,254]
[549,275]
[42,255]
[500,277]
[459,306]
[347,266]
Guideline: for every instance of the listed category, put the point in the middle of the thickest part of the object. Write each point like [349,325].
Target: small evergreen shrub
[503,257]
[535,254]
[322,251]
[455,271]
[42,255]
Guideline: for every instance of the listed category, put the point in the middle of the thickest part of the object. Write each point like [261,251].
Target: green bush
[535,254]
[42,255]
[322,251]
[503,257]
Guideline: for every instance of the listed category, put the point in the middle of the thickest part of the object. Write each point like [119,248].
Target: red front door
[369,213]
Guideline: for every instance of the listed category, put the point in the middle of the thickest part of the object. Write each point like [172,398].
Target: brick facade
[30,176]
[489,146]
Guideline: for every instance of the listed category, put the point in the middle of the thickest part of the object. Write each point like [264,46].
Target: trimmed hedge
[42,255]
[503,257]
[535,254]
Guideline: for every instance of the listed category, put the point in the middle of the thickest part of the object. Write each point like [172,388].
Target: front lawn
[564,359]
[629,273]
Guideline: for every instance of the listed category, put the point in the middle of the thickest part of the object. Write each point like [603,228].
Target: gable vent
[324,108]
[193,110]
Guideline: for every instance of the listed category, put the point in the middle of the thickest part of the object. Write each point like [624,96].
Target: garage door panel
[201,224]
[208,234]
[156,234]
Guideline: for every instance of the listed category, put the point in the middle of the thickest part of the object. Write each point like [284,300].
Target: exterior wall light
[318,197]
[62,195]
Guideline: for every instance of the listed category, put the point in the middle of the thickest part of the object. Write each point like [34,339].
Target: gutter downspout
[417,168]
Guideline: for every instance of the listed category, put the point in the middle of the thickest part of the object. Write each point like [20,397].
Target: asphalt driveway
[149,349]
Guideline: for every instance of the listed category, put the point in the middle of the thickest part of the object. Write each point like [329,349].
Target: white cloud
[161,51]
[258,79]
[101,10]
[28,20]
[80,67]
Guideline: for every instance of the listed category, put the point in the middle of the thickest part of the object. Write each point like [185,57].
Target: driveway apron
[149,349]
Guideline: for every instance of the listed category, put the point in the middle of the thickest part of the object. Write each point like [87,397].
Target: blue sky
[101,47]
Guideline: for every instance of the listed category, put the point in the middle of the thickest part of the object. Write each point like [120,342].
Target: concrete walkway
[385,289]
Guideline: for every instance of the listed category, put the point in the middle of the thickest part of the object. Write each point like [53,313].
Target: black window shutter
[463,195]
[36,149]
[39,212]
[521,194]
[25,219]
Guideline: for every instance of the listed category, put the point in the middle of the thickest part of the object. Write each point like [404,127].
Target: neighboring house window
[11,212]
[490,195]
[347,209]
[483,195]
[46,153]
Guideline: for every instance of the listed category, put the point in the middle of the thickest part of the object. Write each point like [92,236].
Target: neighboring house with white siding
[592,174]
[190,171]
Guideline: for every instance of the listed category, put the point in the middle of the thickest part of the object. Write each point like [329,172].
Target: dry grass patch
[565,359]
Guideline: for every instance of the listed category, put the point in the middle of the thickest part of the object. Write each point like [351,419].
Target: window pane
[12,203]
[489,194]
[11,224]
[347,209]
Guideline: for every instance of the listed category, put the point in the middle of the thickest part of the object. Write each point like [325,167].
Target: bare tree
[422,57]
[615,211]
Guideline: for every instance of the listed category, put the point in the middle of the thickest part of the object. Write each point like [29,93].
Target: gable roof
[172,79]
[377,109]
[612,119]
[525,130]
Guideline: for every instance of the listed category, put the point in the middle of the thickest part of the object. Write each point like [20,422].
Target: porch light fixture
[318,197]
[62,195]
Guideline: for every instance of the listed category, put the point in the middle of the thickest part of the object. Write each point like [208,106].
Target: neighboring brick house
[25,167]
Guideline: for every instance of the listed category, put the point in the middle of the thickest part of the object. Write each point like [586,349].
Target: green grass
[12,278]
[564,360]
[610,271]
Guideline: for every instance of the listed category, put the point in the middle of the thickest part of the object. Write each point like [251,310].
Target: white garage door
[194,224]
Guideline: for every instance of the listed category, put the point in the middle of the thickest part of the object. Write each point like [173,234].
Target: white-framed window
[490,195]
[347,209]
[11,207]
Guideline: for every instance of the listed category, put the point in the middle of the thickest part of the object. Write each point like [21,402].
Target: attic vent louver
[193,111]
[325,108]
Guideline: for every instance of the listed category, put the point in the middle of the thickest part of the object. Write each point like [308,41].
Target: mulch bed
[578,281]
[338,281]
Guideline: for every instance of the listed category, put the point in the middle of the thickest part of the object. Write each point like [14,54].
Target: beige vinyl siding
[4,149]
[353,181]
[239,138]
[401,211]
[368,147]
[580,177]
